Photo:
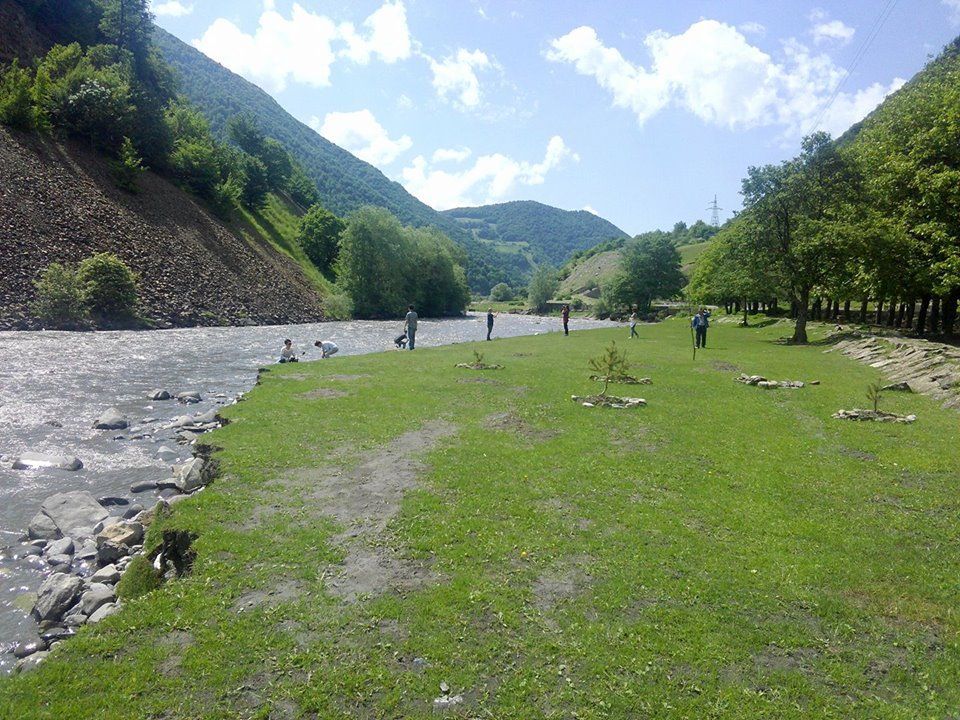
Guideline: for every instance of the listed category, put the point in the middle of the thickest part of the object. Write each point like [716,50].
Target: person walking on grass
[565,316]
[633,324]
[489,322]
[700,323]
[410,326]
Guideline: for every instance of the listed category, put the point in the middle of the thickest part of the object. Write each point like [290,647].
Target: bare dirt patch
[282,592]
[363,501]
[636,439]
[776,659]
[346,378]
[722,366]
[323,394]
[512,423]
[561,583]
[478,380]
[291,376]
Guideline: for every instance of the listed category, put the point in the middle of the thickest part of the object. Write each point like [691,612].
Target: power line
[858,56]
[715,216]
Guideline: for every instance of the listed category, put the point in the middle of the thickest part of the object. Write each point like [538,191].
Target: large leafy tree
[650,269]
[805,213]
[542,286]
[319,236]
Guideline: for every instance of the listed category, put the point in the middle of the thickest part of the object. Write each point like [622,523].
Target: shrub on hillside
[16,104]
[60,297]
[501,292]
[128,167]
[109,286]
[337,306]
[319,236]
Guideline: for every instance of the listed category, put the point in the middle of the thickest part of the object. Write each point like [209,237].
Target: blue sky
[640,111]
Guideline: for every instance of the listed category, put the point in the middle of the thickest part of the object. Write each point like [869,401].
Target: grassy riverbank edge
[723,552]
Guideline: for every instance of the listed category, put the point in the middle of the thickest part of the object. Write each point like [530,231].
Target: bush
[109,286]
[16,103]
[501,292]
[319,236]
[60,298]
[337,306]
[128,167]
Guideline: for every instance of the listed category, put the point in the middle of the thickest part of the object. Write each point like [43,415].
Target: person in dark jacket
[565,316]
[489,322]
[700,323]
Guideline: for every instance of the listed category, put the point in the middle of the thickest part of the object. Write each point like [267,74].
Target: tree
[542,287]
[245,132]
[373,264]
[278,163]
[440,281]
[805,212]
[319,236]
[128,24]
[60,296]
[650,269]
[501,292]
[16,102]
[128,167]
[610,366]
[109,286]
[301,188]
[251,177]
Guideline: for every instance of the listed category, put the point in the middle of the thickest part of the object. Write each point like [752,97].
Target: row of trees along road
[870,218]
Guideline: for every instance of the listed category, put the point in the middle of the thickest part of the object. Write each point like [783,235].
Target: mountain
[540,232]
[344,181]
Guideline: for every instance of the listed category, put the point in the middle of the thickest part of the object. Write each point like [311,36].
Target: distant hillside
[541,232]
[344,181]
[58,202]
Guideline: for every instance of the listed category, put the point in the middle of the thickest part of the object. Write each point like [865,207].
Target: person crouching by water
[410,325]
[327,348]
[288,354]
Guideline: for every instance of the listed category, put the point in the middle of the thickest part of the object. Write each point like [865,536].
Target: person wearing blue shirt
[700,323]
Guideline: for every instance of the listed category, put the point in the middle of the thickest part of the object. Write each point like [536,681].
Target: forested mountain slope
[551,235]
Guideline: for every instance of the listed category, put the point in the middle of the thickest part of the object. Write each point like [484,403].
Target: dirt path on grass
[927,367]
[363,501]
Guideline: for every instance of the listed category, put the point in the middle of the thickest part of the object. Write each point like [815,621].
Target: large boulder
[42,527]
[33,461]
[103,612]
[112,419]
[64,546]
[189,397]
[189,476]
[160,395]
[115,541]
[74,513]
[96,597]
[56,596]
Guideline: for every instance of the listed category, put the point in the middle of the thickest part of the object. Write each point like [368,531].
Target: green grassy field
[388,523]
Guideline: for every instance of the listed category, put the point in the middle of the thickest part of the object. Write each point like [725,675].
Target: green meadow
[387,525]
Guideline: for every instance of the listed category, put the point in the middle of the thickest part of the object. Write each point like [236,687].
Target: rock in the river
[108,575]
[29,648]
[87,551]
[132,511]
[166,453]
[55,596]
[74,513]
[75,620]
[210,416]
[143,486]
[160,395]
[112,419]
[43,527]
[62,559]
[64,546]
[32,461]
[56,634]
[96,597]
[31,661]
[115,541]
[189,397]
[189,476]
[104,611]
[109,500]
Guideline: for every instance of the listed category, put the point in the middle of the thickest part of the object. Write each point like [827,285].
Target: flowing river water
[53,386]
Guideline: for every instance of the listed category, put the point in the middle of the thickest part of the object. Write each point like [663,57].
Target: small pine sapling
[874,394]
[611,364]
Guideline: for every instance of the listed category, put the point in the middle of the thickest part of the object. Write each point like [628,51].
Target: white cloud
[591,210]
[456,155]
[455,77]
[389,36]
[490,178]
[360,133]
[824,29]
[301,47]
[712,71]
[404,102]
[954,6]
[173,8]
[752,28]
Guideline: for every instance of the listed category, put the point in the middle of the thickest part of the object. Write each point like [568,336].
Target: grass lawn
[388,523]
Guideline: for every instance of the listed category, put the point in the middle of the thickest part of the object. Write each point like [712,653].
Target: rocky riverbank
[85,544]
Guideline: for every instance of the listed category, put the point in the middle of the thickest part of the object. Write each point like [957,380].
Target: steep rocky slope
[59,203]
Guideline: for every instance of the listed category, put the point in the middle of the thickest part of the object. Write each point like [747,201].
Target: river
[53,385]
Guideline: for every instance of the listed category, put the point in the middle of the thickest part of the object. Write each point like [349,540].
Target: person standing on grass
[489,322]
[565,316]
[633,324]
[410,325]
[700,323]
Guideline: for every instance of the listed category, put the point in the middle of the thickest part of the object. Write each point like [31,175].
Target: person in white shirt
[288,354]
[327,348]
